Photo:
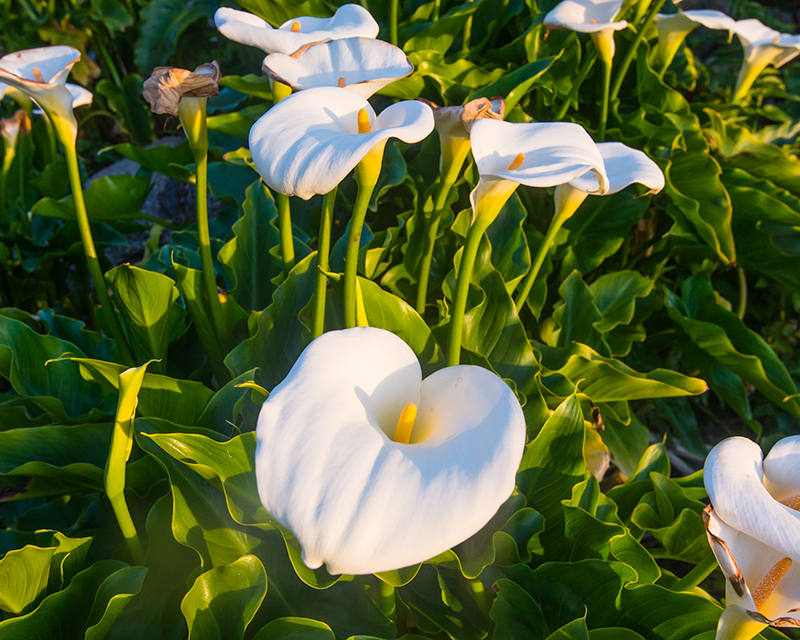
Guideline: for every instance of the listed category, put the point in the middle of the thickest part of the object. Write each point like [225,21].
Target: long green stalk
[323,264]
[700,572]
[465,268]
[285,228]
[576,85]
[430,240]
[95,272]
[393,11]
[622,69]
[351,253]
[601,135]
[741,308]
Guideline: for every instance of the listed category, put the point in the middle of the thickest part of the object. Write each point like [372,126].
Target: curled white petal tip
[624,166]
[687,20]
[240,26]
[358,501]
[309,142]
[586,16]
[363,65]
[761,42]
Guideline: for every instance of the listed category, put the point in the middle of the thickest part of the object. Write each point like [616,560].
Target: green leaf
[149,311]
[516,84]
[114,594]
[440,35]
[112,14]
[577,316]
[162,23]
[24,574]
[164,159]
[223,601]
[615,296]
[127,102]
[108,198]
[251,84]
[248,258]
[721,334]
[575,630]
[295,629]
[180,401]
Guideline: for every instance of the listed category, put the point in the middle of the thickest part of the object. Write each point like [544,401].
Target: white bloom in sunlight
[762,46]
[373,468]
[539,154]
[309,142]
[673,29]
[753,528]
[595,17]
[363,65]
[245,28]
[624,166]
[41,74]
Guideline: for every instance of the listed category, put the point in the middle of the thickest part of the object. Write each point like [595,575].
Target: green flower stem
[192,112]
[631,53]
[285,228]
[430,241]
[95,272]
[351,253]
[474,235]
[741,308]
[576,85]
[8,158]
[601,135]
[323,264]
[568,199]
[393,10]
[467,33]
[701,571]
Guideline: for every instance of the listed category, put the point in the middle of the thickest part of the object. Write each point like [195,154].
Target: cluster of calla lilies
[354,427]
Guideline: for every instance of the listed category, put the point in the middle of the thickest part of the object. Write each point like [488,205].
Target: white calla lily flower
[753,528]
[595,17]
[309,142]
[363,65]
[762,46]
[41,75]
[624,166]
[373,468]
[245,28]
[673,29]
[540,154]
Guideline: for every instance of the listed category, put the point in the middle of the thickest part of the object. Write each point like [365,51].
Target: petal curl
[359,502]
[689,20]
[245,28]
[52,63]
[624,166]
[733,477]
[586,16]
[782,468]
[308,142]
[365,65]
[760,41]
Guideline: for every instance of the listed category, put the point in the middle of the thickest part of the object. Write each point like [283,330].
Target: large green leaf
[149,311]
[162,23]
[250,257]
[114,594]
[107,199]
[164,159]
[440,35]
[721,334]
[223,601]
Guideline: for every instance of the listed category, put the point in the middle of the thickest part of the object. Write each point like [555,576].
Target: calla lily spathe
[762,46]
[329,470]
[595,17]
[363,65]
[309,142]
[673,29]
[754,530]
[552,153]
[41,75]
[245,28]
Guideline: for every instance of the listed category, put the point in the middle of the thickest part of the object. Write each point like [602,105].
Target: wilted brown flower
[167,85]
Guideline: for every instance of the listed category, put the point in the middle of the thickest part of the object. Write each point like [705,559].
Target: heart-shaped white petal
[760,42]
[624,166]
[53,64]
[586,16]
[349,20]
[363,65]
[309,142]
[356,500]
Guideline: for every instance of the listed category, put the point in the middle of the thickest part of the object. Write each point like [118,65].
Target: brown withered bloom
[11,128]
[448,119]
[167,85]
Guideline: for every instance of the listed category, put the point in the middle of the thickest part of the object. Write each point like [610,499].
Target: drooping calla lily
[595,17]
[762,46]
[363,65]
[623,166]
[673,29]
[309,142]
[453,125]
[753,528]
[350,20]
[40,74]
[373,468]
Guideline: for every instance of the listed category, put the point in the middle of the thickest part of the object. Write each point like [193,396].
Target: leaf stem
[465,269]
[285,227]
[351,253]
[742,306]
[430,241]
[601,135]
[631,53]
[95,272]
[576,85]
[323,264]
[393,10]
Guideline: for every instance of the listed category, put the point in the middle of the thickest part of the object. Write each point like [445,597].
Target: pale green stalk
[700,572]
[323,264]
[427,251]
[393,11]
[741,308]
[279,92]
[351,253]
